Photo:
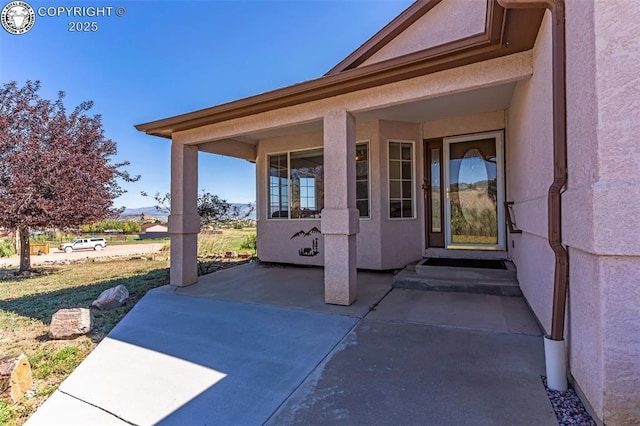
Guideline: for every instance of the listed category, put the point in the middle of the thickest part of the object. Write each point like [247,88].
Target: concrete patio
[256,344]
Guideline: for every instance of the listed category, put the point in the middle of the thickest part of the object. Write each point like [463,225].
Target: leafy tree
[55,169]
[112,224]
[212,209]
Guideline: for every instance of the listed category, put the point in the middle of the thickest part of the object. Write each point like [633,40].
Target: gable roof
[385,35]
[507,31]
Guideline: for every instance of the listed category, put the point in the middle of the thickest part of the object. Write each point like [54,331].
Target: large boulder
[70,323]
[15,377]
[111,298]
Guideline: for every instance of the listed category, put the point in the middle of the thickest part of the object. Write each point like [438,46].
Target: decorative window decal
[308,251]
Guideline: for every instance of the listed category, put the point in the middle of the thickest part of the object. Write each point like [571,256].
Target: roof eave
[506,33]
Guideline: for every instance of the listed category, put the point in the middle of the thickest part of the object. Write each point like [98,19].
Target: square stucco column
[184,223]
[340,220]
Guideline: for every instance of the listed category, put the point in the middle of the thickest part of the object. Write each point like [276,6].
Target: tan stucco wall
[600,211]
[462,125]
[274,235]
[448,21]
[601,226]
[402,239]
[529,173]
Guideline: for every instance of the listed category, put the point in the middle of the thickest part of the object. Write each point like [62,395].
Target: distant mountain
[129,214]
[244,208]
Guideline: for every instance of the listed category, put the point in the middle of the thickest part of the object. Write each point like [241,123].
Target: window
[307,183]
[400,180]
[302,173]
[300,176]
[278,186]
[362,179]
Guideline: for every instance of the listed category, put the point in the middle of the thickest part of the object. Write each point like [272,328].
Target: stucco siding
[529,172]
[584,333]
[275,242]
[448,21]
[600,220]
[454,126]
[621,332]
[402,239]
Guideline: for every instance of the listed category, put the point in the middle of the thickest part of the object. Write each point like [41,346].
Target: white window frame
[289,186]
[366,142]
[413,180]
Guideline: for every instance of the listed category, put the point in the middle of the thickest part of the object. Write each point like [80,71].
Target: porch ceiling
[487,99]
[495,98]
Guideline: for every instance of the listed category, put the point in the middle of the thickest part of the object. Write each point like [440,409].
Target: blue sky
[164,58]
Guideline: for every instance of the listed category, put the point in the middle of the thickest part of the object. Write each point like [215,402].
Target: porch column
[340,219]
[184,223]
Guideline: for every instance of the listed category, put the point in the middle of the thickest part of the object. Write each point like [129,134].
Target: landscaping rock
[244,255]
[111,298]
[70,323]
[15,377]
[231,255]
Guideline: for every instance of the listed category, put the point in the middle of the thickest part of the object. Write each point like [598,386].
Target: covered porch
[383,103]
[469,99]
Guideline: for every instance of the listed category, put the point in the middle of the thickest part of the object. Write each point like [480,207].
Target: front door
[473,182]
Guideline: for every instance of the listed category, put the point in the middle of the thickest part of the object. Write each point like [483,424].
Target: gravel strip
[568,407]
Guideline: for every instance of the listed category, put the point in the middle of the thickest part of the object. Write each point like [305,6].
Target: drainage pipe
[555,353]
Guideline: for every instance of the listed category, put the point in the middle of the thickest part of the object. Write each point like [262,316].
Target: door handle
[426,186]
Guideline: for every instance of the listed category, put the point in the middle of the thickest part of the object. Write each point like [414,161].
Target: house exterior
[497,128]
[153,230]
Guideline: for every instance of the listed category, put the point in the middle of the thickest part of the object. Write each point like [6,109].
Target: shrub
[7,249]
[250,243]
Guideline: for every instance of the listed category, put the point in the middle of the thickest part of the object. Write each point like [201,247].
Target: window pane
[307,183]
[406,189]
[394,189]
[362,170]
[362,179]
[395,209]
[406,151]
[394,150]
[362,152]
[406,170]
[363,207]
[394,170]
[407,209]
[436,220]
[362,190]
[278,186]
[401,180]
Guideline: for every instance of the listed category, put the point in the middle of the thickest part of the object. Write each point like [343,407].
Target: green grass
[26,307]
[229,240]
[27,304]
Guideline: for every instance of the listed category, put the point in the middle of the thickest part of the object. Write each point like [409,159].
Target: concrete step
[415,280]
[461,273]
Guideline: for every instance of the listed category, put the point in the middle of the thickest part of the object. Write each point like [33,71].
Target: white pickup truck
[83,243]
